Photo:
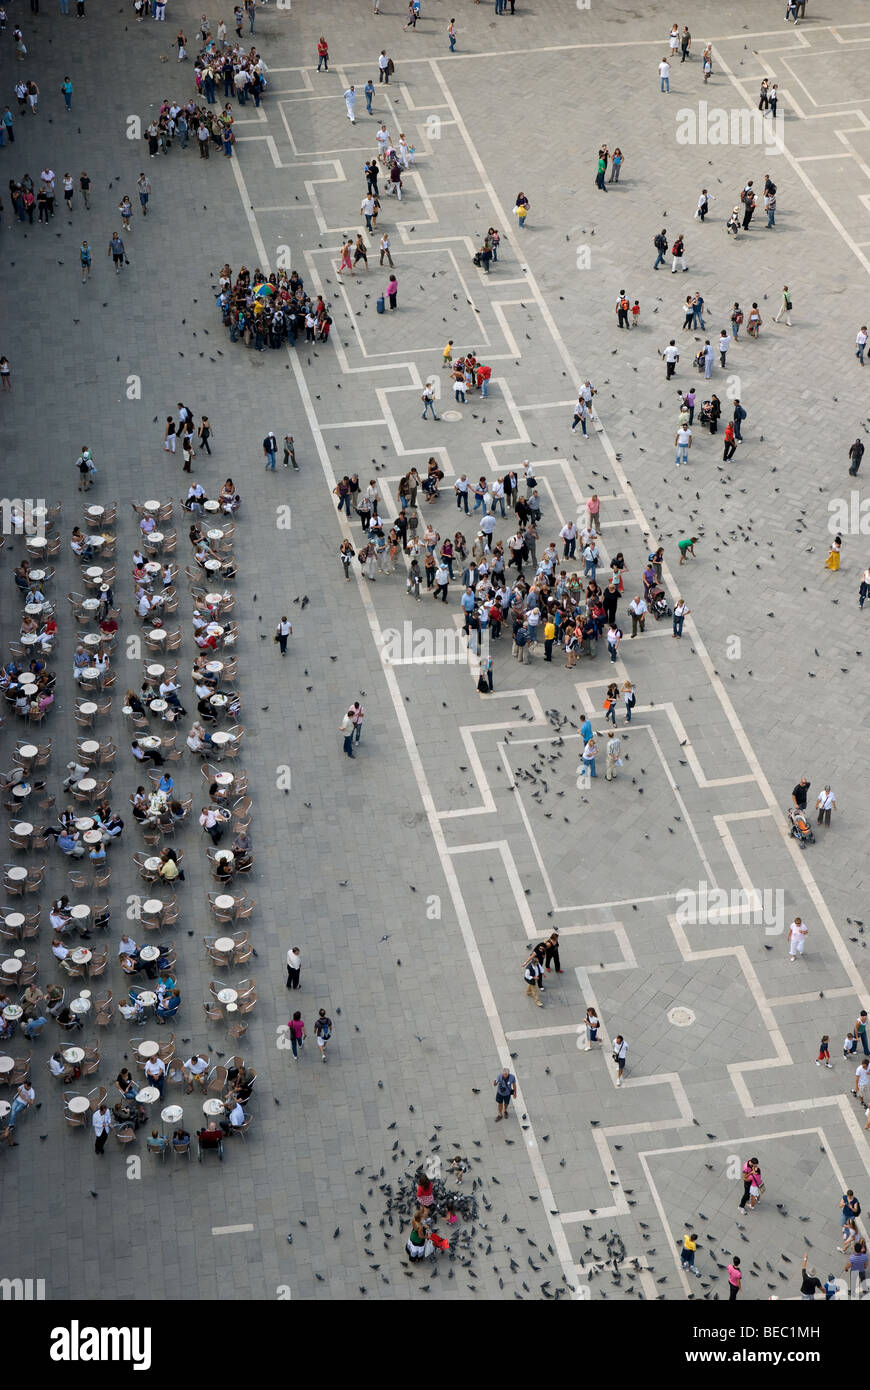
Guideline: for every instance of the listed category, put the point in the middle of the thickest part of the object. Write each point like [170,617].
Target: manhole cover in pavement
[682,1018]
[451,415]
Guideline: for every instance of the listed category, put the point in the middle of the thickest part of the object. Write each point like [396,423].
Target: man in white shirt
[614,746]
[638,610]
[383,74]
[155,1070]
[665,75]
[58,950]
[620,1052]
[102,1122]
[671,356]
[350,103]
[797,935]
[235,1119]
[195,1069]
[683,441]
[460,487]
[294,966]
[127,946]
[487,526]
[568,534]
[724,345]
[861,343]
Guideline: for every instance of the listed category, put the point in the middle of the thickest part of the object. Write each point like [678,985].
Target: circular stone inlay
[680,1017]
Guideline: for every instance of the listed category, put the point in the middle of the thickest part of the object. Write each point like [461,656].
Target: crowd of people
[268,310]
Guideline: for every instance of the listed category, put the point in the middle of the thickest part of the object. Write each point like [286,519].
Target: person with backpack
[602,168]
[322,1032]
[660,242]
[737,419]
[622,308]
[678,256]
[784,308]
[736,320]
[629,699]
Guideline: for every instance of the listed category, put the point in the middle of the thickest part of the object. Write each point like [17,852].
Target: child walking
[824,1052]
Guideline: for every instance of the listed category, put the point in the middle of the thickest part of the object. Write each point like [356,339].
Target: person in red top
[483,376]
[322,54]
[730,442]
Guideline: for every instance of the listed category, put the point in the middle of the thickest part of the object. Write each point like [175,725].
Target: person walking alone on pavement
[825,804]
[620,1052]
[505,1089]
[797,935]
[614,747]
[294,967]
[784,308]
[282,632]
[593,1023]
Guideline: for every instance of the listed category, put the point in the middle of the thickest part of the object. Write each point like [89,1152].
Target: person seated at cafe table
[59,915]
[210,1137]
[69,843]
[195,1069]
[34,1026]
[157,1142]
[198,740]
[79,545]
[126,1084]
[155,1071]
[58,950]
[58,1067]
[235,1117]
[30,1001]
[97,853]
[169,1007]
[169,870]
[132,1011]
[127,946]
[243,860]
[52,999]
[7,1028]
[67,1019]
[165,784]
[126,1113]
[180,1140]
[224,869]
[141,754]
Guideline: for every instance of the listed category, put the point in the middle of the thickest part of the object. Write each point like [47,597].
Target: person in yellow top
[833,560]
[549,638]
[447,354]
[687,1256]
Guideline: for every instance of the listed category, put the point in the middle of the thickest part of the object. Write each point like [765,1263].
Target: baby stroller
[704,416]
[800,827]
[658,603]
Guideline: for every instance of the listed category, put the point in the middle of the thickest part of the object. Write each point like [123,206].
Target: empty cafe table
[12,967]
[95,542]
[84,994]
[148,999]
[224,944]
[88,709]
[212,566]
[91,673]
[151,506]
[17,874]
[220,739]
[148,1049]
[33,610]
[96,513]
[147,1095]
[12,1013]
[38,576]
[19,954]
[94,572]
[14,921]
[80,1005]
[78,1104]
[87,785]
[28,751]
[84,823]
[210,1107]
[216,535]
[231,1008]
[148,953]
[37,542]
[227,996]
[73,1055]
[154,672]
[171,1114]
[224,779]
[82,956]
[157,706]
[90,746]
[23,830]
[225,902]
[6,1064]
[153,907]
[90,605]
[157,634]
[155,540]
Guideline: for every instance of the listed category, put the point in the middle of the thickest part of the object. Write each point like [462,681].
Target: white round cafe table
[6,1063]
[213,599]
[215,630]
[224,944]
[212,565]
[92,639]
[157,706]
[150,741]
[149,953]
[19,955]
[96,541]
[38,542]
[151,506]
[14,920]
[228,996]
[157,634]
[226,854]
[212,505]
[93,837]
[81,956]
[91,673]
[28,750]
[33,609]
[78,1104]
[226,902]
[231,1008]
[172,1114]
[80,912]
[87,784]
[12,1013]
[23,828]
[152,863]
[153,567]
[148,998]
[152,906]
[213,1106]
[214,668]
[90,605]
[155,671]
[90,745]
[148,1049]
[80,1005]
[155,538]
[84,823]
[27,639]
[216,535]
[37,576]
[16,873]
[94,572]
[223,779]
[84,994]
[73,1054]
[5,1107]
[96,512]
[219,701]
[88,708]
[11,967]
[221,738]
[148,1095]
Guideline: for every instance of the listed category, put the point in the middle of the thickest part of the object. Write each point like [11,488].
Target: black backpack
[660,242]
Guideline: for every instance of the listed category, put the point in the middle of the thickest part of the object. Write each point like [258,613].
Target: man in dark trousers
[856,453]
[799,794]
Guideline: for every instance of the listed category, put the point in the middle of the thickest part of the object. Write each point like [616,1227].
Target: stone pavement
[465,867]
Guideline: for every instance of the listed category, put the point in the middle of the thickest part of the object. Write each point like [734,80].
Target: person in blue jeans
[270,449]
[588,757]
[251,8]
[681,612]
[369,91]
[661,244]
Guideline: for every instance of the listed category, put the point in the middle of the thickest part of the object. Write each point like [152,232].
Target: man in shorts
[322,1032]
[505,1086]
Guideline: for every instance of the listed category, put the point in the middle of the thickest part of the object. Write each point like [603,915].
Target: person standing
[677,252]
[861,343]
[290,453]
[751,1170]
[451,34]
[681,613]
[294,967]
[270,449]
[102,1122]
[687,1255]
[384,67]
[825,804]
[322,1032]
[505,1090]
[296,1029]
[850,1207]
[614,747]
[685,43]
[143,186]
[860,1031]
[322,54]
[593,1023]
[784,308]
[770,209]
[724,345]
[358,714]
[799,794]
[683,441]
[346,727]
[551,952]
[861,1089]
[350,103]
[428,399]
[665,75]
[620,1052]
[532,975]
[385,249]
[671,357]
[730,443]
[797,935]
[66,87]
[856,453]
[737,419]
[282,632]
[735,1278]
[391,292]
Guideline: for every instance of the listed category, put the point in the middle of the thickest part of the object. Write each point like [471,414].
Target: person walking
[592,1023]
[825,804]
[282,632]
[102,1123]
[660,242]
[350,103]
[532,975]
[368,93]
[385,249]
[294,967]
[861,1089]
[296,1029]
[451,34]
[614,748]
[678,254]
[551,953]
[428,399]
[346,728]
[737,419]
[85,257]
[143,187]
[671,356]
[784,308]
[270,450]
[850,1208]
[730,443]
[620,1052]
[505,1090]
[797,935]
[118,252]
[861,343]
[322,1032]
[681,613]
[860,1031]
[289,453]
[724,345]
[735,1278]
